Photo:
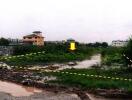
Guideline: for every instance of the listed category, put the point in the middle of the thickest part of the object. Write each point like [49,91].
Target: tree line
[4,42]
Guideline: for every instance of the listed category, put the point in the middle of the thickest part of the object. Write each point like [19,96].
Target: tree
[104,44]
[98,44]
[4,42]
[128,52]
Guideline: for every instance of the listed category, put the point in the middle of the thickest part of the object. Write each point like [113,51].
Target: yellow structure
[35,39]
[72,46]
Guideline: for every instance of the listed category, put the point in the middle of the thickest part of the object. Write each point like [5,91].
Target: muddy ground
[55,92]
[42,96]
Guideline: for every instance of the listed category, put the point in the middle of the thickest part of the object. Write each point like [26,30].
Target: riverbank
[42,96]
[20,76]
[80,84]
[51,53]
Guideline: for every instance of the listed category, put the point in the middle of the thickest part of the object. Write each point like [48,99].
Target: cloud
[84,20]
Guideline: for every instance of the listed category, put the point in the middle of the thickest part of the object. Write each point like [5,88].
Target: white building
[119,43]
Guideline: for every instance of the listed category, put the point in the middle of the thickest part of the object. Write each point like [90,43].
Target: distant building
[56,42]
[35,39]
[119,43]
[13,42]
[70,40]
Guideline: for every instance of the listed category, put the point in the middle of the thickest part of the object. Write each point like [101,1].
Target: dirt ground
[42,96]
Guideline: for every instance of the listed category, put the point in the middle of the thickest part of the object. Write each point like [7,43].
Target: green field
[88,82]
[54,53]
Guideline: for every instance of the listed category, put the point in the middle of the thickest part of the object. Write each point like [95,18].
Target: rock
[72,63]
[26,81]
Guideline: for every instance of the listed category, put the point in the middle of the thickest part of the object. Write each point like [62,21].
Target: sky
[83,20]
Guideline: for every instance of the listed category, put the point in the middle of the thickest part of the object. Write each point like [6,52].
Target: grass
[112,55]
[48,58]
[85,82]
[59,56]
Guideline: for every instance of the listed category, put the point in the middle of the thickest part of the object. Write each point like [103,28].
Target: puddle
[95,97]
[17,90]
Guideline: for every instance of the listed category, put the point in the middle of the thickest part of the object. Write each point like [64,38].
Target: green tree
[4,42]
[104,44]
[128,52]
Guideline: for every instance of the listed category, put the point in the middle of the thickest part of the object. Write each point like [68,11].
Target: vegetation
[115,54]
[98,44]
[85,82]
[128,52]
[4,42]
[53,53]
[112,55]
[61,53]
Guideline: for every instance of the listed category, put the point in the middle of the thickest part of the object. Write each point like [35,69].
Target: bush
[53,53]
[112,55]
[128,52]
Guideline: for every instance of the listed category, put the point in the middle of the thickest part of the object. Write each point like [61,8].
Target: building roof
[70,39]
[31,35]
[119,41]
[35,34]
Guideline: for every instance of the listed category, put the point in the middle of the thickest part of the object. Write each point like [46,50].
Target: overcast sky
[83,20]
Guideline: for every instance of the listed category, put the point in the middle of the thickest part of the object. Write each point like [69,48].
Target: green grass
[112,55]
[58,56]
[48,58]
[85,82]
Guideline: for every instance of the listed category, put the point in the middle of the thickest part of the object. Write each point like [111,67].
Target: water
[17,90]
[30,93]
[95,60]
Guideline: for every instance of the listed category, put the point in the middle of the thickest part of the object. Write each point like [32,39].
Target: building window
[29,37]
